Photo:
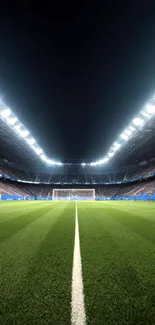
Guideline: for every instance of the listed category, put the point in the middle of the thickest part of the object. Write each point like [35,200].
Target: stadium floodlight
[129,132]
[104,160]
[30,141]
[12,121]
[43,157]
[150,109]
[101,161]
[131,128]
[58,163]
[17,127]
[24,133]
[50,162]
[110,154]
[93,163]
[21,131]
[6,112]
[138,121]
[145,114]
[116,145]
[124,136]
[38,150]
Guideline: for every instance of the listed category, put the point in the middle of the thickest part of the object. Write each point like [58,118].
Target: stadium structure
[75,247]
[127,170]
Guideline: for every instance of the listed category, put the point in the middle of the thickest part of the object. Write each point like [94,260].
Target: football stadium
[77,163]
[77,238]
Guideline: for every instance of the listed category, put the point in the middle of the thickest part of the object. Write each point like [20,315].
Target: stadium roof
[135,144]
[140,129]
[16,137]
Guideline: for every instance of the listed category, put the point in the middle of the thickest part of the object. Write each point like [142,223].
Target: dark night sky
[75,74]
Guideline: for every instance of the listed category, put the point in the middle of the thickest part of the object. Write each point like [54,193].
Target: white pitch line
[78,316]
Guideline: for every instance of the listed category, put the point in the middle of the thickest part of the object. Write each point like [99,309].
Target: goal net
[73,194]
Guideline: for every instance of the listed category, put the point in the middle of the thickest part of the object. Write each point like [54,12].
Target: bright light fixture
[21,131]
[124,136]
[30,141]
[12,121]
[138,121]
[93,163]
[150,108]
[43,157]
[105,160]
[145,114]
[50,162]
[129,132]
[6,112]
[116,145]
[131,128]
[110,154]
[25,133]
[38,151]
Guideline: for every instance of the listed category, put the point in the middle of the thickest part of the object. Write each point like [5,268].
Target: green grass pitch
[117,241]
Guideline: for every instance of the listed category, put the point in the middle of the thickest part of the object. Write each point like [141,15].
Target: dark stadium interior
[75,92]
[77,163]
[76,74]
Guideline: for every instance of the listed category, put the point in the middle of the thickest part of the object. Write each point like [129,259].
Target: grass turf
[118,259]
[36,255]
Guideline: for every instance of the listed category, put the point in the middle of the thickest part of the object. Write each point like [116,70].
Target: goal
[73,194]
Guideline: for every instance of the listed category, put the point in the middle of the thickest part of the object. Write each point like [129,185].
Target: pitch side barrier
[8,197]
[145,197]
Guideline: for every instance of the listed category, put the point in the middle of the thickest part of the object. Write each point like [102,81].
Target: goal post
[73,194]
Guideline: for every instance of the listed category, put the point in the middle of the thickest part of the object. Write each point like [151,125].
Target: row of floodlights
[136,124]
[18,127]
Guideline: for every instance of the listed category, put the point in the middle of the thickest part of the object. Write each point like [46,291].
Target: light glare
[110,154]
[6,112]
[124,136]
[12,121]
[138,121]
[30,141]
[150,109]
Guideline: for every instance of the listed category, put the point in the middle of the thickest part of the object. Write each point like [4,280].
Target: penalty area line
[78,315]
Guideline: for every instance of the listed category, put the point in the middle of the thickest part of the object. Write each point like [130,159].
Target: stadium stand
[107,191]
[131,171]
[69,176]
[13,189]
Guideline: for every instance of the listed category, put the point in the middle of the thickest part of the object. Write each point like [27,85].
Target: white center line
[78,316]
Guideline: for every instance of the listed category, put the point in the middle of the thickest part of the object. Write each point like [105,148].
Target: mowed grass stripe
[16,250]
[118,267]
[138,208]
[9,227]
[42,290]
[140,220]
[13,209]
